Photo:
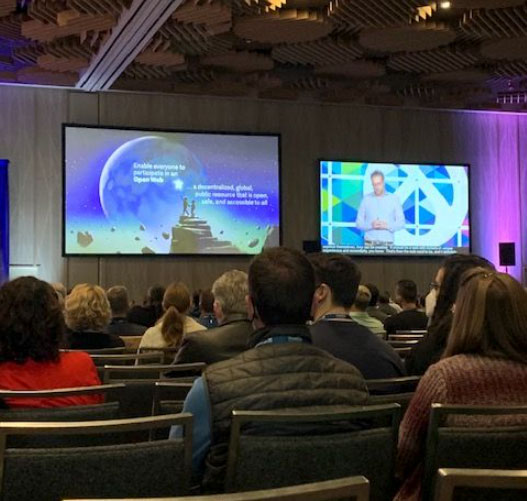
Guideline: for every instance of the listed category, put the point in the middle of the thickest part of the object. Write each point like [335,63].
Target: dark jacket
[375,312]
[409,320]
[357,345]
[92,340]
[145,315]
[215,345]
[274,376]
[122,327]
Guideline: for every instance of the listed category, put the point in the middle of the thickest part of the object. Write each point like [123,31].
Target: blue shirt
[385,208]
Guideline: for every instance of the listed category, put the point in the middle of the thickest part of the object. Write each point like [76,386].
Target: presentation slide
[379,208]
[137,192]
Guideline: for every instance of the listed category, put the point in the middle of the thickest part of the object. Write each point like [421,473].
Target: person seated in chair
[31,333]
[120,305]
[206,309]
[152,309]
[410,319]
[231,337]
[335,330]
[358,312]
[272,373]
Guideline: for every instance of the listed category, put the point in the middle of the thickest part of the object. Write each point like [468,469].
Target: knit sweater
[461,379]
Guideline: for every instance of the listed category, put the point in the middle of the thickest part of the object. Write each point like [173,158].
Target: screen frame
[401,255]
[66,125]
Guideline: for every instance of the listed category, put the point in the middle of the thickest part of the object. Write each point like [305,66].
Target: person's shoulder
[192,325]
[76,358]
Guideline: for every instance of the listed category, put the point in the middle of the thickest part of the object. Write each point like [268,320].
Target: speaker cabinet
[507,254]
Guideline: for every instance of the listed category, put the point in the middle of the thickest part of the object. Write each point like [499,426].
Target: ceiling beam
[134,30]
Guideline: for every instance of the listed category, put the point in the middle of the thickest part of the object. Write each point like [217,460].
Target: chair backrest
[403,352]
[131,343]
[151,372]
[344,489]
[405,337]
[146,469]
[128,359]
[103,351]
[403,399]
[483,485]
[473,444]
[295,447]
[410,332]
[169,353]
[169,397]
[393,385]
[403,344]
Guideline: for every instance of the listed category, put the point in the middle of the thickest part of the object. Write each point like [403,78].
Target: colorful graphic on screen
[148,192]
[378,208]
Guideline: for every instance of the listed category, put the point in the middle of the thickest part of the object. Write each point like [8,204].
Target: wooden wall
[30,132]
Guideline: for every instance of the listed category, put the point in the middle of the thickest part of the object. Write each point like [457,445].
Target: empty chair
[468,484]
[343,489]
[118,373]
[147,469]
[169,397]
[293,447]
[463,436]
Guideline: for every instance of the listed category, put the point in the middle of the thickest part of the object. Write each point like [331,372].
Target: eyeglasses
[435,285]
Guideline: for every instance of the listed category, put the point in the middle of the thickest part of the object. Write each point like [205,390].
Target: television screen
[380,208]
[146,192]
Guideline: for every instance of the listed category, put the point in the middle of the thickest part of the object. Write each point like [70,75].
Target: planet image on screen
[144,183]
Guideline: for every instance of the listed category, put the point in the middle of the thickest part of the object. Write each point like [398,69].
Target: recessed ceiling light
[445,5]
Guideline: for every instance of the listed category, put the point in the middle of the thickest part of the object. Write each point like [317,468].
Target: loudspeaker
[507,254]
[311,246]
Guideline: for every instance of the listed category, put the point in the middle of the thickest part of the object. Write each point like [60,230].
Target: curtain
[4,221]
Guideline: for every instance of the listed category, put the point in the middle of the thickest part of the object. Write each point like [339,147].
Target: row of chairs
[254,460]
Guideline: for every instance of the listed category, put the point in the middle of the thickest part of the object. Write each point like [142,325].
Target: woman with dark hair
[485,363]
[430,349]
[175,322]
[31,331]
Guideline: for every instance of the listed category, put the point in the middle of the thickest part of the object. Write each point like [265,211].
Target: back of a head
[176,303]
[384,298]
[206,301]
[230,291]
[60,289]
[31,321]
[490,317]
[281,287]
[362,299]
[374,291]
[87,308]
[118,299]
[407,291]
[340,274]
[155,294]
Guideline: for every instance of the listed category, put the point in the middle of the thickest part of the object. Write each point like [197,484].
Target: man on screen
[380,214]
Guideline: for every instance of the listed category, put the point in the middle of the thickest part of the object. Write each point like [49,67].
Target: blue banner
[4,221]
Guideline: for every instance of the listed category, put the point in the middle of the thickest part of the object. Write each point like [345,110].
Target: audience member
[175,322]
[386,305]
[272,374]
[334,329]
[151,311]
[120,305]
[485,363]
[410,319]
[88,314]
[430,349]
[195,310]
[206,309]
[373,309]
[31,332]
[232,335]
[358,312]
[60,290]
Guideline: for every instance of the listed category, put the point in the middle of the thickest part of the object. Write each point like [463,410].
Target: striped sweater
[461,379]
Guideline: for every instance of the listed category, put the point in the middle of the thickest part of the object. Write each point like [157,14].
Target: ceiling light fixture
[445,5]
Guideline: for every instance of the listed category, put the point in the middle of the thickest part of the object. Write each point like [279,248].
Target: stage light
[445,5]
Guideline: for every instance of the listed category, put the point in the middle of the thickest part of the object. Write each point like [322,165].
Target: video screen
[141,192]
[380,208]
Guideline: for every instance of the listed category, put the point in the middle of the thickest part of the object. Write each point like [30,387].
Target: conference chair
[403,399]
[404,384]
[146,469]
[459,484]
[342,489]
[151,372]
[131,343]
[127,359]
[102,351]
[282,448]
[169,353]
[486,437]
[403,344]
[403,352]
[405,337]
[169,397]
[412,332]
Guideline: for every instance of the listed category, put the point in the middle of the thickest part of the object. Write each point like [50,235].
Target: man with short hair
[380,214]
[335,330]
[410,319]
[151,311]
[281,369]
[232,335]
[120,304]
[206,309]
[358,312]
[373,309]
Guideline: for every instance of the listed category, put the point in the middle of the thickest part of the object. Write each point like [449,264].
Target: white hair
[230,291]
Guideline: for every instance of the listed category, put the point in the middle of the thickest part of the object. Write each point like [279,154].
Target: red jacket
[73,369]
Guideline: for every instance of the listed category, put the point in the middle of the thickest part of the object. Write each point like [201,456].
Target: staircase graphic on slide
[193,235]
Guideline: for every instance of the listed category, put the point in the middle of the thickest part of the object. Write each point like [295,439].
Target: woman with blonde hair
[485,363]
[88,314]
[175,322]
